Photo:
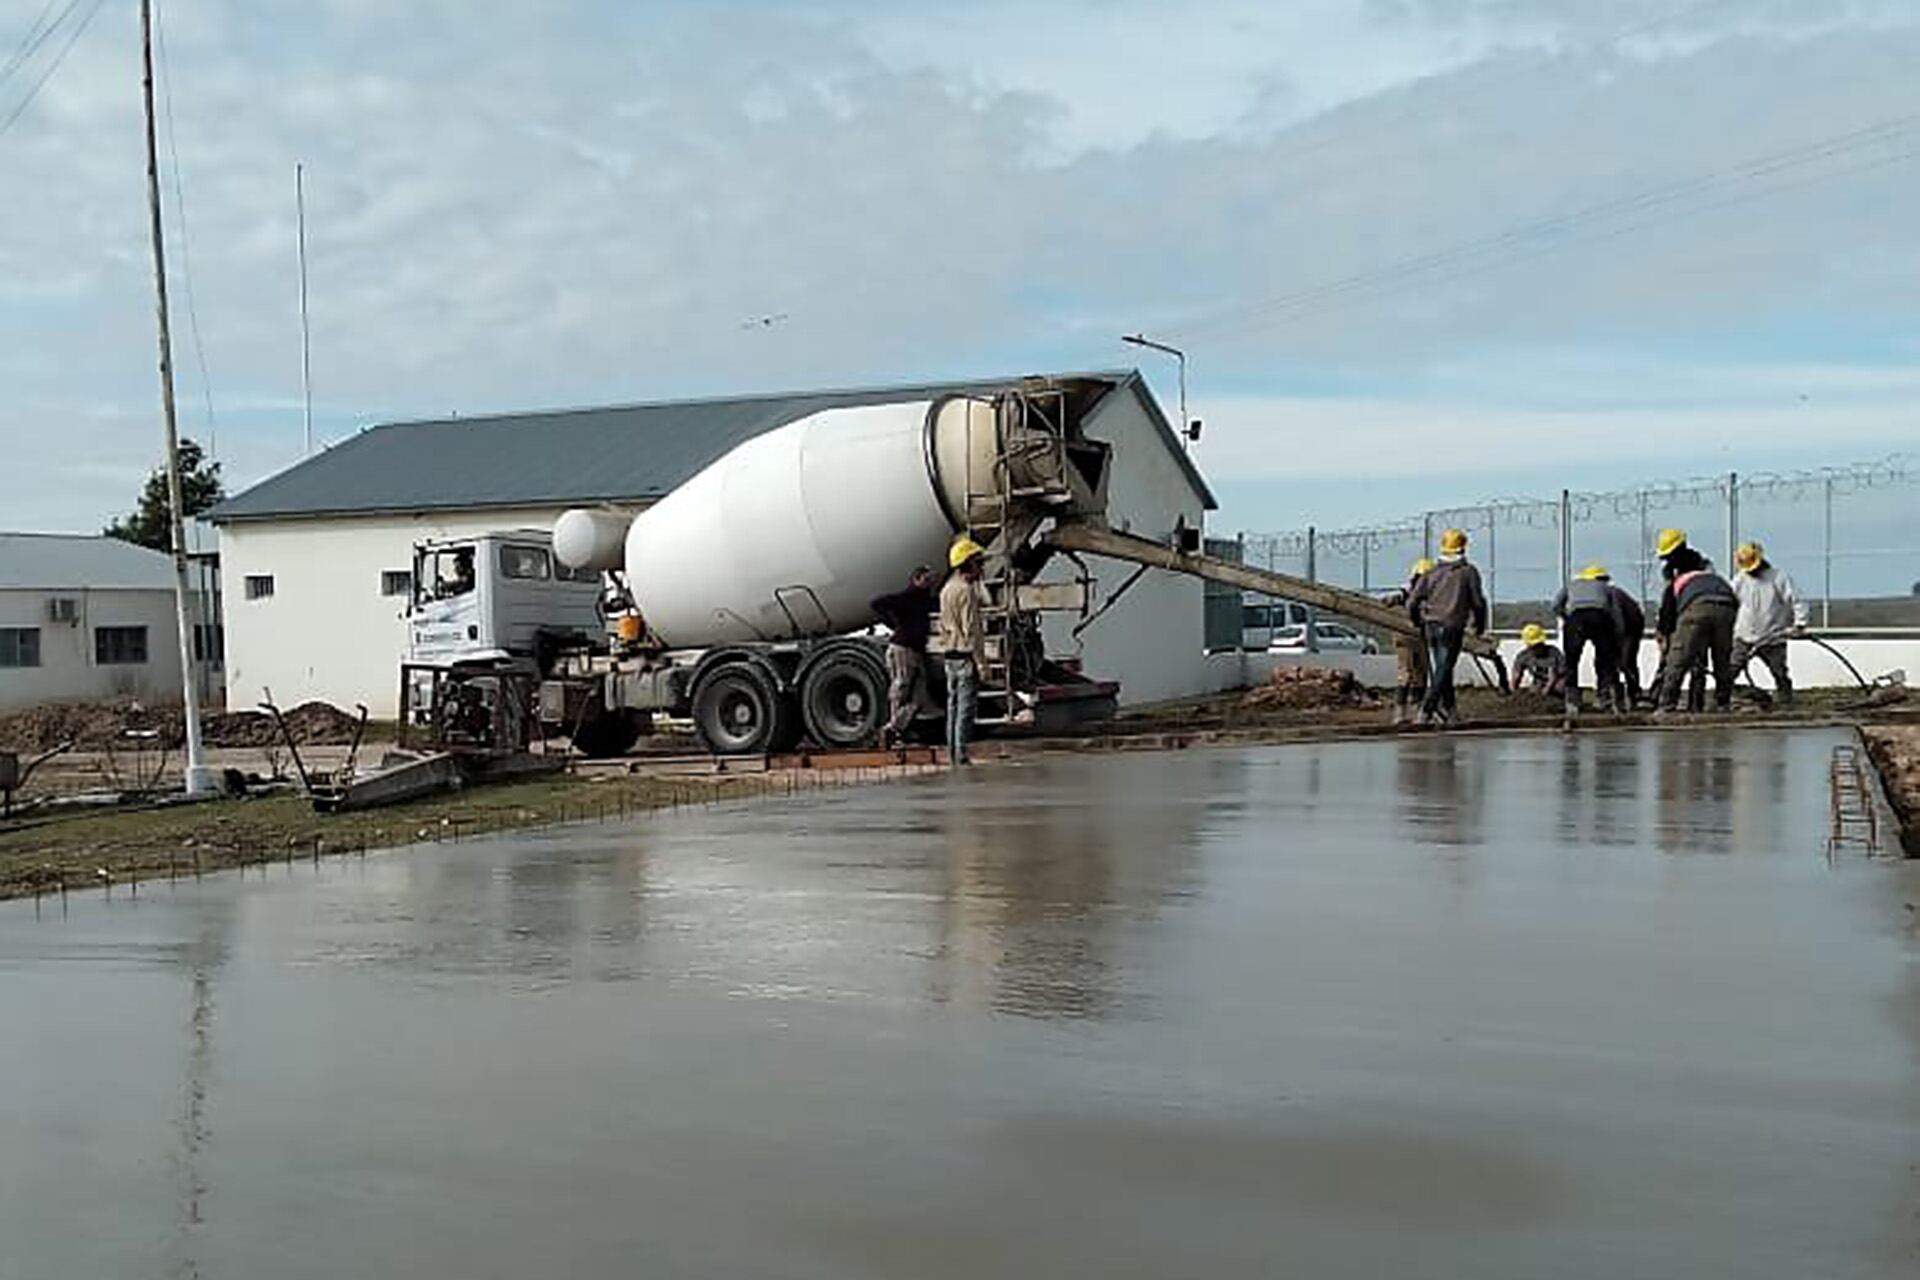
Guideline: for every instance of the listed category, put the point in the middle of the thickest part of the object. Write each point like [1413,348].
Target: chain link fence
[1849,536]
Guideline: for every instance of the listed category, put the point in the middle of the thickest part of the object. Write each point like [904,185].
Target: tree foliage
[150,524]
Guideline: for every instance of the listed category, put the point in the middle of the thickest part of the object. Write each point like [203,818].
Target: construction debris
[1309,688]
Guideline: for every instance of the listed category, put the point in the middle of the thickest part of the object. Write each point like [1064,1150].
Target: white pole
[199,778]
[306,360]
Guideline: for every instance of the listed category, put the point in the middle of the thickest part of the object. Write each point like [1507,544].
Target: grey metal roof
[73,562]
[612,454]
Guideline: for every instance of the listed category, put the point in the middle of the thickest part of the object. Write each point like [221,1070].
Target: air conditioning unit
[63,609]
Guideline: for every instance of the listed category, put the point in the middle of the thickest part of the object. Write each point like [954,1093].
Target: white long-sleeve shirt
[1769,605]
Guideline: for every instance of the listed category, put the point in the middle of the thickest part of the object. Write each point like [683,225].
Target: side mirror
[1193,431]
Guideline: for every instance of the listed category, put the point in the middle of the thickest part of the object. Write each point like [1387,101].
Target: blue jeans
[963,683]
[1443,653]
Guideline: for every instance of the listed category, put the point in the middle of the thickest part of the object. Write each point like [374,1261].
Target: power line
[74,35]
[32,40]
[1303,301]
[180,216]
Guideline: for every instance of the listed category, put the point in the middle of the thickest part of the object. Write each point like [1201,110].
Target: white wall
[327,632]
[67,670]
[1154,640]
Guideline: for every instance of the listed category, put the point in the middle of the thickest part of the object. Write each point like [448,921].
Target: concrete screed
[1595,1006]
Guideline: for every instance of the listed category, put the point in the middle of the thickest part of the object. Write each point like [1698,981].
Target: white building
[315,561]
[92,618]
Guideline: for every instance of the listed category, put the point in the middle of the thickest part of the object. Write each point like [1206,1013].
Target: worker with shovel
[1590,615]
[1409,653]
[963,639]
[1696,616]
[1770,611]
[1443,604]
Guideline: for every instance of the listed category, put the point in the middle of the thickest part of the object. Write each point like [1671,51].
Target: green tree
[150,524]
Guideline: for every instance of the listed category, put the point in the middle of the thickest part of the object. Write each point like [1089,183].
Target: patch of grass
[40,853]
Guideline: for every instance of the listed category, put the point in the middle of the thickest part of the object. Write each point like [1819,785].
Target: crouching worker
[1409,654]
[1590,616]
[1770,611]
[1539,668]
[1697,611]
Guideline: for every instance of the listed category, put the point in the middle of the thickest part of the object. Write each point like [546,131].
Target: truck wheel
[738,711]
[606,734]
[843,700]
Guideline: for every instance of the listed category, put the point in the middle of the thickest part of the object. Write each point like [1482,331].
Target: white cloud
[580,202]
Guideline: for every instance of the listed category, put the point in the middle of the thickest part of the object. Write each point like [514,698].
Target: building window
[396,582]
[209,643]
[119,646]
[19,646]
[525,562]
[259,586]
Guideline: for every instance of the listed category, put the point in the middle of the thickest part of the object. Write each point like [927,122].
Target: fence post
[1313,575]
[1426,534]
[1640,556]
[1733,519]
[1566,553]
[1826,553]
[1493,570]
[1366,562]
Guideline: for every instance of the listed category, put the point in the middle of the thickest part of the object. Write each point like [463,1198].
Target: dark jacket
[1689,587]
[1633,619]
[1449,595]
[908,613]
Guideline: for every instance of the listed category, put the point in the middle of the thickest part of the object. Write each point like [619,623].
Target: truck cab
[498,594]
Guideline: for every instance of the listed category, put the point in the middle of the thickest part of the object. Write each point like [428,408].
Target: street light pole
[199,778]
[1141,340]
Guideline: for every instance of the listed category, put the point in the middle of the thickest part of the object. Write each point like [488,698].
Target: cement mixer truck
[740,601]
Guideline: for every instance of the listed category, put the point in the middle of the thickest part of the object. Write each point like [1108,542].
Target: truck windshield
[444,574]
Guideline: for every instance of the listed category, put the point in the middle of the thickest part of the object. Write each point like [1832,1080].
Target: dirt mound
[85,724]
[1309,688]
[95,725]
[310,722]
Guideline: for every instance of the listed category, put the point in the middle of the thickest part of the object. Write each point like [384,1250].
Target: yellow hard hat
[1748,557]
[1594,573]
[1533,633]
[1453,542]
[1420,566]
[963,550]
[1669,541]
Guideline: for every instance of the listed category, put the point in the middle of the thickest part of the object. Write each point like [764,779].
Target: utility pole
[199,778]
[306,345]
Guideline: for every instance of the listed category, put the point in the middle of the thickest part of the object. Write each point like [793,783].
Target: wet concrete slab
[1435,1006]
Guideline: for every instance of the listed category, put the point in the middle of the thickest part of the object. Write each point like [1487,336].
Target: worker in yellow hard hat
[1695,621]
[1771,610]
[962,642]
[1589,615]
[1409,652]
[1444,603]
[1538,666]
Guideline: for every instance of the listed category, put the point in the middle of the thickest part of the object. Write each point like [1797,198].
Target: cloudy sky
[1420,251]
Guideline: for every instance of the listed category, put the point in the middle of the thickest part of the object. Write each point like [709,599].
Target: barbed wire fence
[1847,534]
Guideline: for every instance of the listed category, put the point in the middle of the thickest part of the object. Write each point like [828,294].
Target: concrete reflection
[1038,896]
[1442,790]
[1695,773]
